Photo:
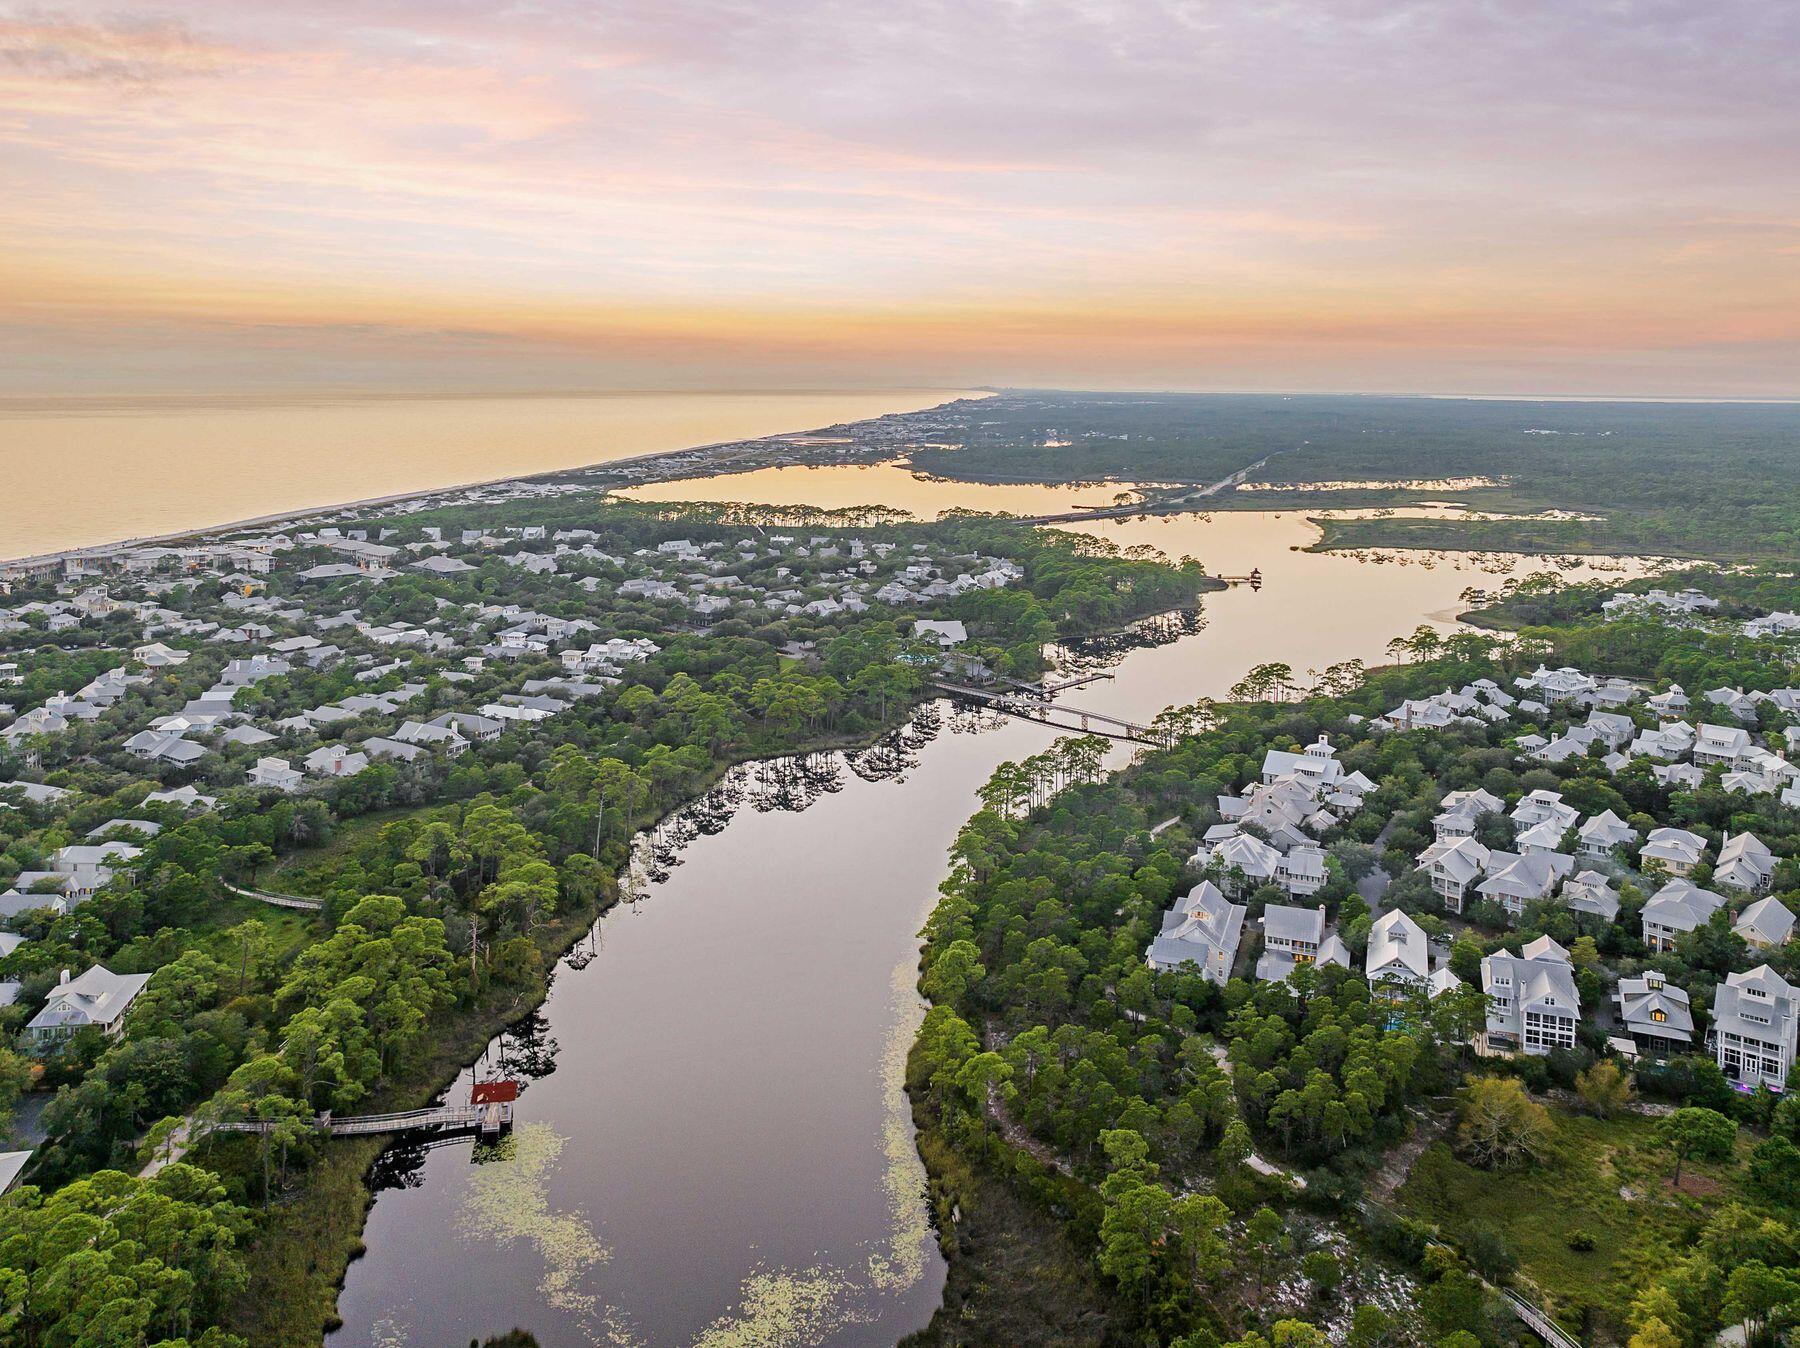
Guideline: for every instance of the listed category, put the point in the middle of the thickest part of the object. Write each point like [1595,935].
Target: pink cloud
[1556,166]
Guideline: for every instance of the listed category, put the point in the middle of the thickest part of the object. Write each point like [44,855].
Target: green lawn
[288,929]
[1581,1185]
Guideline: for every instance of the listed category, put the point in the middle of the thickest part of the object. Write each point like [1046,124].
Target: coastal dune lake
[140,467]
[713,1148]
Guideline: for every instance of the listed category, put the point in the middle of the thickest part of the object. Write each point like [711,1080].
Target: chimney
[64,978]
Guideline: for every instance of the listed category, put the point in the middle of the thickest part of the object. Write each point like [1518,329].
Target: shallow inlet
[719,1155]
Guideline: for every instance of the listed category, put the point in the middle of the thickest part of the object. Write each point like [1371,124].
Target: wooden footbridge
[1029,707]
[488,1113]
[274,900]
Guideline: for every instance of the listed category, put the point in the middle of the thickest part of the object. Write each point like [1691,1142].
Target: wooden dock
[488,1113]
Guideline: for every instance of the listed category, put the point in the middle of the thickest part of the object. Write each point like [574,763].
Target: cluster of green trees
[438,912]
[1719,481]
[1047,1024]
[1159,1088]
[113,1259]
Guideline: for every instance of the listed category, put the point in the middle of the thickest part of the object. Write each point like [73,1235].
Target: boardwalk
[490,1117]
[1538,1321]
[489,1113]
[275,900]
[1059,717]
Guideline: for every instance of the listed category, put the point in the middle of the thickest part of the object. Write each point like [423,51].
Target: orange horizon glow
[1574,199]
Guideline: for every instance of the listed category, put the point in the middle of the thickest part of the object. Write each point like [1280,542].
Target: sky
[1510,196]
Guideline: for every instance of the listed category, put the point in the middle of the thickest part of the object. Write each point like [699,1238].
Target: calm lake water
[88,471]
[718,1152]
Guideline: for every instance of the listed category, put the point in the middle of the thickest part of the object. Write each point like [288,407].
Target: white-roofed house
[1291,937]
[1243,862]
[468,724]
[1591,893]
[1301,872]
[1684,775]
[431,735]
[88,867]
[1203,928]
[335,760]
[1540,839]
[277,773]
[1461,812]
[377,746]
[1676,850]
[1604,832]
[1454,865]
[1545,807]
[1753,1028]
[1514,881]
[943,633]
[1317,765]
[1615,730]
[1676,909]
[1670,705]
[1767,922]
[1533,1004]
[98,998]
[187,797]
[1656,1015]
[1719,744]
[1745,862]
[1399,954]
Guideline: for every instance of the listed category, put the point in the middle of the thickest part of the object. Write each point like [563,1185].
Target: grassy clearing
[307,870]
[1606,1178]
[288,928]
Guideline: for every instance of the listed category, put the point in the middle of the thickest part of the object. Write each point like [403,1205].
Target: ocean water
[85,471]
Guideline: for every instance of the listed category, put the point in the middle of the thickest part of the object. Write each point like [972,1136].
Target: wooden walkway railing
[489,1118]
[1538,1321]
[275,900]
[1533,1316]
[1045,712]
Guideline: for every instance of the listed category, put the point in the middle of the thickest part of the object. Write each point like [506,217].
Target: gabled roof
[1525,877]
[1460,859]
[1251,855]
[1606,827]
[1767,922]
[1759,1002]
[1397,945]
[1290,923]
[96,997]
[1640,998]
[1681,906]
[1591,892]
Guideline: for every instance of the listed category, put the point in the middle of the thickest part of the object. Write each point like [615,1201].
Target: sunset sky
[1446,196]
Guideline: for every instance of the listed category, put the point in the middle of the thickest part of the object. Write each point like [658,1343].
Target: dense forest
[448,885]
[1130,1112]
[1689,480]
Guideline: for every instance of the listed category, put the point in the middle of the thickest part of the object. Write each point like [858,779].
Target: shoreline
[295,515]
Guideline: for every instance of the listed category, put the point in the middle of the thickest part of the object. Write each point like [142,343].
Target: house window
[1659,1016]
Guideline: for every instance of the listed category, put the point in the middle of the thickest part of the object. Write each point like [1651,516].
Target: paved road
[1373,885]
